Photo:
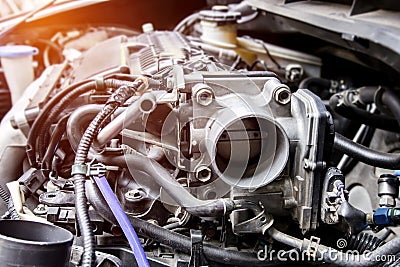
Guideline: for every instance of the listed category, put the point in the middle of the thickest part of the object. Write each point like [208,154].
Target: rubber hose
[57,104]
[88,258]
[305,84]
[98,202]
[388,98]
[364,140]
[392,102]
[55,112]
[58,132]
[365,154]
[357,114]
[39,122]
[184,244]
[367,94]
[363,242]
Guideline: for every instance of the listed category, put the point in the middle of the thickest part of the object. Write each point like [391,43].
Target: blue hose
[123,220]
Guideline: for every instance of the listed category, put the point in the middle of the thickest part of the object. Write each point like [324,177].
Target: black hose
[58,132]
[310,81]
[392,101]
[184,244]
[363,242]
[360,115]
[385,99]
[50,111]
[79,119]
[364,140]
[116,99]
[367,94]
[98,202]
[365,154]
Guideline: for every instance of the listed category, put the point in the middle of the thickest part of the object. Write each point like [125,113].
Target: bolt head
[282,95]
[204,97]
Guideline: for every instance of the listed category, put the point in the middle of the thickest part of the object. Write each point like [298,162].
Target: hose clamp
[312,246]
[79,169]
[100,84]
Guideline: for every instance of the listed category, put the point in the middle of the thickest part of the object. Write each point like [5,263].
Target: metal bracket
[197,258]
[58,198]
[257,224]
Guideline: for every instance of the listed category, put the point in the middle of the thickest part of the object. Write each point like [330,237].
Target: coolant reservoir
[16,61]
[219,26]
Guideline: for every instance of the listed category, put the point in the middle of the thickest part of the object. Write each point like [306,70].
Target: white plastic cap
[147,27]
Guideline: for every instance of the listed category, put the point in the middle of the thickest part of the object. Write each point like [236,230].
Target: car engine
[245,136]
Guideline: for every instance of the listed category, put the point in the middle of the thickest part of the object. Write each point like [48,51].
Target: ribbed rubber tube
[123,220]
[5,196]
[82,214]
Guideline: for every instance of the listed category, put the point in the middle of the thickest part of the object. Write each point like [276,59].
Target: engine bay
[240,137]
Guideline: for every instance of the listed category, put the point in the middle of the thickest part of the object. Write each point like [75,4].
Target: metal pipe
[146,103]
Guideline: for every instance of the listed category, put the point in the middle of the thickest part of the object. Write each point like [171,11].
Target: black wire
[55,47]
[235,64]
[258,62]
[269,55]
